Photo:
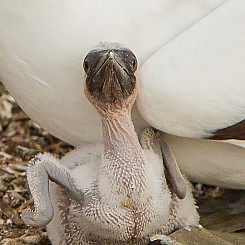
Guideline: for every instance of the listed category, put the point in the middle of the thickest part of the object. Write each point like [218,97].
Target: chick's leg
[42,168]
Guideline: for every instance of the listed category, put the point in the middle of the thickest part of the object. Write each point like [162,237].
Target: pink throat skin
[118,131]
[119,134]
[124,159]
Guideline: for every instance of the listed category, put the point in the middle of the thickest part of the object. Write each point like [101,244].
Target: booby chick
[122,191]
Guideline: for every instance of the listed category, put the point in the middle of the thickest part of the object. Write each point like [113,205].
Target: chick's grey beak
[110,77]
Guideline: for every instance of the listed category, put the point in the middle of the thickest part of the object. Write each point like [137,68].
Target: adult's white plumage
[194,85]
[195,75]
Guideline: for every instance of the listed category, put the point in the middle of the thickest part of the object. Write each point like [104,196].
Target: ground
[21,139]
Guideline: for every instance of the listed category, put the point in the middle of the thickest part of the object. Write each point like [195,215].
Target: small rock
[34,239]
[3,186]
[9,222]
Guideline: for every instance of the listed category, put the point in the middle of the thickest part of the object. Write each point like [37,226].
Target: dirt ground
[21,140]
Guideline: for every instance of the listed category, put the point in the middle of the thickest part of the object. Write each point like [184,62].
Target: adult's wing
[195,85]
[210,162]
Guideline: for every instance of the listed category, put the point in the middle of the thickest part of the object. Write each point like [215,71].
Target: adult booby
[191,56]
[125,192]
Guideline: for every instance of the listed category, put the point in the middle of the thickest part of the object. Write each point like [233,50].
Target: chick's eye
[85,66]
[134,64]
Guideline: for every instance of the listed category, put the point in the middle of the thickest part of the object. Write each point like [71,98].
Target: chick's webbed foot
[41,169]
